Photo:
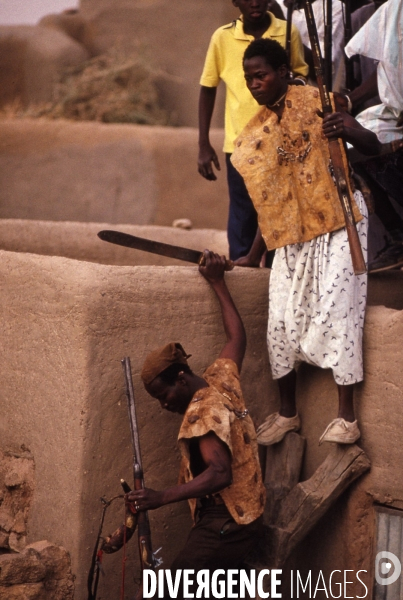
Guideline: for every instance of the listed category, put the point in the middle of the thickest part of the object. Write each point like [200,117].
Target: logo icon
[387,568]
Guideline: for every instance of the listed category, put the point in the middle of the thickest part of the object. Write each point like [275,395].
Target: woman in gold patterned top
[316,303]
[220,472]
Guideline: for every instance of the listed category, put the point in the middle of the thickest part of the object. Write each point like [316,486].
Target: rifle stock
[335,152]
[147,560]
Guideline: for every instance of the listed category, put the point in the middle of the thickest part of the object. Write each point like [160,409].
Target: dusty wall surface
[172,36]
[17,484]
[31,61]
[63,171]
[41,571]
[80,241]
[68,324]
[72,23]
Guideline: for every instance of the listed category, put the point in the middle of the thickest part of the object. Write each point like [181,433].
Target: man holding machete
[220,472]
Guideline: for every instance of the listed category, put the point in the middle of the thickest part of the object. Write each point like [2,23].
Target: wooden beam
[309,500]
[283,470]
[293,508]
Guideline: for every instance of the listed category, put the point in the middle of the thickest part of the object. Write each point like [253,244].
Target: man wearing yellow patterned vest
[316,303]
[220,472]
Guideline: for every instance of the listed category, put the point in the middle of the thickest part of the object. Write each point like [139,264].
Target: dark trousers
[215,542]
[387,170]
[242,216]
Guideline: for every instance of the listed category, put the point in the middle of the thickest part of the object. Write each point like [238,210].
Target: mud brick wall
[80,241]
[106,173]
[41,571]
[17,484]
[67,324]
[173,37]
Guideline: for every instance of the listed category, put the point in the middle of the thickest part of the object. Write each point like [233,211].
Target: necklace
[278,102]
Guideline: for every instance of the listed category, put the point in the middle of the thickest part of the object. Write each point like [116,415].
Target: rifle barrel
[132,411]
[329,45]
[335,152]
[348,62]
[147,560]
[290,10]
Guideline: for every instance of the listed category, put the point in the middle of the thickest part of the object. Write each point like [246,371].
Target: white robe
[317,305]
[381,39]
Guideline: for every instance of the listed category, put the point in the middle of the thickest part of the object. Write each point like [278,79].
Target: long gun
[335,152]
[328,43]
[147,558]
[290,10]
[348,62]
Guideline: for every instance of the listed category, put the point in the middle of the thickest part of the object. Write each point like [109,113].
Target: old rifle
[328,44]
[147,557]
[335,151]
[290,10]
[348,62]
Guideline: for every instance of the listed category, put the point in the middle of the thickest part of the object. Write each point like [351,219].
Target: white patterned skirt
[317,305]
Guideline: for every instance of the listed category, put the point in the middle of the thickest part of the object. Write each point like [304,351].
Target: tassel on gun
[336,156]
[111,543]
[123,534]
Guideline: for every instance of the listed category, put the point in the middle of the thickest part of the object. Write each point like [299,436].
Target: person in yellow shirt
[224,63]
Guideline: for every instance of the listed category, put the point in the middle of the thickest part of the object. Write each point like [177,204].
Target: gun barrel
[132,411]
[290,10]
[143,526]
[335,151]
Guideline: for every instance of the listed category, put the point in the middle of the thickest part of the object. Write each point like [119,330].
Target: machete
[132,241]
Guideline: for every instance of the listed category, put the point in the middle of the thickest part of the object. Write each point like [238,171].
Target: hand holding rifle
[344,126]
[339,125]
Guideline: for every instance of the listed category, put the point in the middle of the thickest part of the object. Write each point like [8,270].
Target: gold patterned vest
[220,408]
[286,168]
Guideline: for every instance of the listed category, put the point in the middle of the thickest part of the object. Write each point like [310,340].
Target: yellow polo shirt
[224,63]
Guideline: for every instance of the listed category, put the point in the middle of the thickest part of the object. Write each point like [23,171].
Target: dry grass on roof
[110,88]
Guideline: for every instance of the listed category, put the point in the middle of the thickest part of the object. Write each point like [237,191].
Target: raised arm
[213,272]
[207,154]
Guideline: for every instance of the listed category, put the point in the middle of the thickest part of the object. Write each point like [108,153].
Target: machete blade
[138,243]
[132,241]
